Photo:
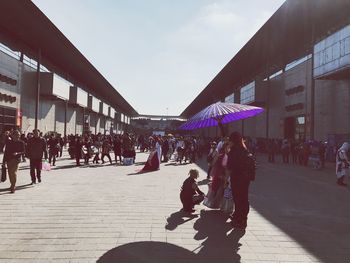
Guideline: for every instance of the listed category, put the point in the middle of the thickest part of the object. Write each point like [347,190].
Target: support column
[37,98]
[65,117]
[267,108]
[312,106]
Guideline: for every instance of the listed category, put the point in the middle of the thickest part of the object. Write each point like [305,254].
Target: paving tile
[82,214]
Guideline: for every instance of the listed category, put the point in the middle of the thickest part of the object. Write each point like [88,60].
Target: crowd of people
[231,161]
[90,149]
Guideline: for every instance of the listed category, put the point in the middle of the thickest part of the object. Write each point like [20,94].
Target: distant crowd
[121,149]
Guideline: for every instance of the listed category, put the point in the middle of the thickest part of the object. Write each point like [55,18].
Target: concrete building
[148,124]
[45,82]
[297,68]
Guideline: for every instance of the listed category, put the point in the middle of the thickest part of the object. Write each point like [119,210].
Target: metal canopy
[24,28]
[289,34]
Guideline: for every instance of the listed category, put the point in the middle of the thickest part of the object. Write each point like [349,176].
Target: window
[230,98]
[276,74]
[301,120]
[300,127]
[248,93]
[299,61]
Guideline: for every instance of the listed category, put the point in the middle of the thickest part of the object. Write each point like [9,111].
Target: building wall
[102,124]
[59,116]
[71,119]
[51,109]
[47,114]
[28,88]
[79,120]
[332,108]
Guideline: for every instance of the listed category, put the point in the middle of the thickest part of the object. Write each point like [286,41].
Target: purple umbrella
[227,112]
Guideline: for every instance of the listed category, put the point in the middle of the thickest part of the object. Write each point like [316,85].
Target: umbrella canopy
[227,112]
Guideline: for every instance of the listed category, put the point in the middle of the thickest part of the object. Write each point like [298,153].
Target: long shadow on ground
[305,204]
[18,188]
[218,244]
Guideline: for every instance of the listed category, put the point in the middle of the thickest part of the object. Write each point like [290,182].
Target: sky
[159,54]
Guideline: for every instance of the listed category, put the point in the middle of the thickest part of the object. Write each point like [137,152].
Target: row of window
[247,94]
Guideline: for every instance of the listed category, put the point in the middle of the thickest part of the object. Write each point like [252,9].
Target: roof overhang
[24,28]
[289,34]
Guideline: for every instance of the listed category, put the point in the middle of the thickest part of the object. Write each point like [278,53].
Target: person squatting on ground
[237,167]
[190,194]
[36,148]
[342,163]
[14,149]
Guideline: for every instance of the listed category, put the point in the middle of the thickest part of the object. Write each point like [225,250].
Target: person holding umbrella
[237,162]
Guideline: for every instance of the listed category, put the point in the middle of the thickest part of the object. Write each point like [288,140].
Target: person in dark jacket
[239,181]
[190,194]
[117,148]
[165,150]
[14,149]
[53,145]
[78,148]
[36,148]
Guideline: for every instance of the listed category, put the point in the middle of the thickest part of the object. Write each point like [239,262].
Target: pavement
[110,213]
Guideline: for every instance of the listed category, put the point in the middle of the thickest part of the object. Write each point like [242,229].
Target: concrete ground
[112,214]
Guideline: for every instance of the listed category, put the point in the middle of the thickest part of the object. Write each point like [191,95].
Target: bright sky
[159,54]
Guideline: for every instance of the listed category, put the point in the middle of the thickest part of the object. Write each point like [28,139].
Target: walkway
[111,214]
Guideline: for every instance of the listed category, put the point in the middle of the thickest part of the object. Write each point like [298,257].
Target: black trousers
[52,156]
[240,192]
[35,165]
[108,156]
[77,159]
[118,154]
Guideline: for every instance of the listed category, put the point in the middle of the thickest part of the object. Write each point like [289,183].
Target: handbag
[3,173]
[45,166]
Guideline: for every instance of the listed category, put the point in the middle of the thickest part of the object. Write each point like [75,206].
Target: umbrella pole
[242,127]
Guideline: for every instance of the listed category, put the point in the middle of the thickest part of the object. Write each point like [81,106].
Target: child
[190,194]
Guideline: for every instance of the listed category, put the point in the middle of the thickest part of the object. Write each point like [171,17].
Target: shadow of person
[143,172]
[177,218]
[19,187]
[148,252]
[218,245]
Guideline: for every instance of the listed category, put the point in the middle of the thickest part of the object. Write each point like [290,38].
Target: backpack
[249,166]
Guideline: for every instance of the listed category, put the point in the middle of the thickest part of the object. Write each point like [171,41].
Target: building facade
[63,107]
[304,89]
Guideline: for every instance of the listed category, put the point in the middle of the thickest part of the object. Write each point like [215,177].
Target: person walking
[285,151]
[106,148]
[53,145]
[236,166]
[61,143]
[117,148]
[342,163]
[14,149]
[36,149]
[78,149]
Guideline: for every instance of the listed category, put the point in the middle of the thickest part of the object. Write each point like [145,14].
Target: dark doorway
[7,119]
[289,128]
